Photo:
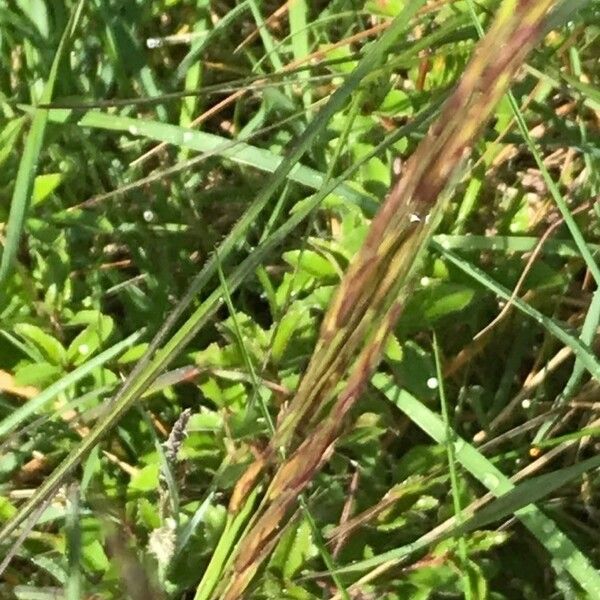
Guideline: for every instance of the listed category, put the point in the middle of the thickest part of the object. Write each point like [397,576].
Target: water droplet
[554,544]
[133,130]
[432,383]
[459,444]
[83,348]
[548,527]
[153,43]
[425,281]
[526,403]
[490,481]
[188,136]
[148,216]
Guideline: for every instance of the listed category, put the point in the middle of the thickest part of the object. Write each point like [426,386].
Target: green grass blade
[239,152]
[542,527]
[452,468]
[581,350]
[219,558]
[298,12]
[200,45]
[73,587]
[33,406]
[244,351]
[265,36]
[508,244]
[587,336]
[33,145]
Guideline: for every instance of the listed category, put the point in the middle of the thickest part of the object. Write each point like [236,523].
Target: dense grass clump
[299,300]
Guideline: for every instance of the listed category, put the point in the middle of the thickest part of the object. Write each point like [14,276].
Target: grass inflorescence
[299,300]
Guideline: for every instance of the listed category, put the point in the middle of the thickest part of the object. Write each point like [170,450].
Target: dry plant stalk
[370,298]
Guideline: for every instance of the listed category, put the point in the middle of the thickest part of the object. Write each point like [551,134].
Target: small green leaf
[7,509]
[88,341]
[44,185]
[389,8]
[38,374]
[396,103]
[94,557]
[311,263]
[146,480]
[133,354]
[51,349]
[434,302]
[415,369]
[393,349]
[84,345]
[445,300]
[9,136]
[300,550]
[285,331]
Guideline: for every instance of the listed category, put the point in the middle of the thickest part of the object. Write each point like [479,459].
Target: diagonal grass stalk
[370,297]
[452,469]
[190,327]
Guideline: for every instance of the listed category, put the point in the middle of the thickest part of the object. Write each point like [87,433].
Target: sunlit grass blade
[74,578]
[509,244]
[239,152]
[39,402]
[265,36]
[541,526]
[449,442]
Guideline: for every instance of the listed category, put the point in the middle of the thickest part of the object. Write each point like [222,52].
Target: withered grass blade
[370,297]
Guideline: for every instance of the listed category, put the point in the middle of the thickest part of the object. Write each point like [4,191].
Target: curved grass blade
[542,527]
[581,350]
[239,152]
[453,472]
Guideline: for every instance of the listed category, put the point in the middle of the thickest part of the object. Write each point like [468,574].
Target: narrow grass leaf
[508,244]
[452,468]
[581,350]
[39,402]
[239,152]
[542,527]
[73,526]
[200,45]
[21,198]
